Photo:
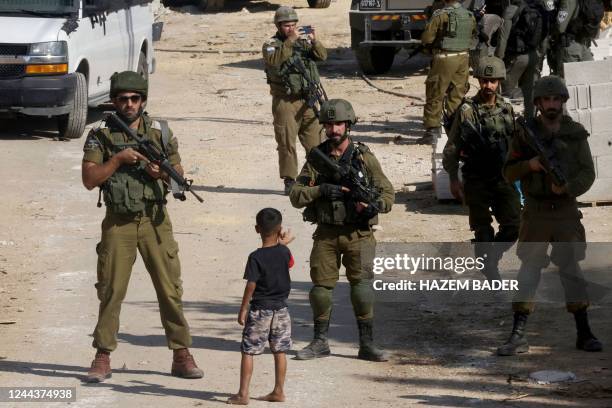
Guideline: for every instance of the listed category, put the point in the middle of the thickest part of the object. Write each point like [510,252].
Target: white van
[57,56]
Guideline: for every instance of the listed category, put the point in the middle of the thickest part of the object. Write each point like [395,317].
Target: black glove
[370,212]
[331,191]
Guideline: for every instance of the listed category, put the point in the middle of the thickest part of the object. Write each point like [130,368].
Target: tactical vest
[339,212]
[528,29]
[585,26]
[484,155]
[457,35]
[287,75]
[130,190]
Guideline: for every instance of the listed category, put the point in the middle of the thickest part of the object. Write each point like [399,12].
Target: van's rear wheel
[72,125]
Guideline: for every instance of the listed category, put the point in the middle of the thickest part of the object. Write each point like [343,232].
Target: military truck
[380,28]
[216,5]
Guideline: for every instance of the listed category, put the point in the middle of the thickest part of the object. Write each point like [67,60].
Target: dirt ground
[211,87]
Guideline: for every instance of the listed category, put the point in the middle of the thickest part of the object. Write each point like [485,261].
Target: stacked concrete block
[590,88]
[439,176]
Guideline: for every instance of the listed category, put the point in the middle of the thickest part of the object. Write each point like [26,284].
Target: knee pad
[362,298]
[321,302]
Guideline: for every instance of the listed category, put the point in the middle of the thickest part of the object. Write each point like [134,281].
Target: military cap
[490,67]
[284,14]
[128,81]
[550,86]
[337,110]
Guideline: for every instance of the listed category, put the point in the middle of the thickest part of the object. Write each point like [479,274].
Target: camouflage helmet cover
[128,81]
[285,14]
[337,110]
[491,67]
[550,86]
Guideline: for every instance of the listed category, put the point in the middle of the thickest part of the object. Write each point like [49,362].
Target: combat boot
[100,368]
[318,347]
[430,136]
[367,349]
[585,340]
[517,343]
[184,366]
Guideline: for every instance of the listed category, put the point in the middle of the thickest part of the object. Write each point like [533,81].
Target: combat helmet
[490,67]
[128,81]
[284,14]
[337,110]
[549,86]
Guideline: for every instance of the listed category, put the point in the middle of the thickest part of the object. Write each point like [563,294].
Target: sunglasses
[132,98]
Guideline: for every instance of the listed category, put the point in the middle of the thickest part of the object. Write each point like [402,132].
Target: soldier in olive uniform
[344,229]
[479,137]
[572,34]
[551,213]
[520,42]
[292,116]
[134,192]
[449,35]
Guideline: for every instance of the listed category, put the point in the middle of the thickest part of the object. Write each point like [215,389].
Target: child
[267,318]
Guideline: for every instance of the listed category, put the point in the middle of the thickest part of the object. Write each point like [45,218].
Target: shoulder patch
[438,12]
[155,125]
[562,16]
[92,142]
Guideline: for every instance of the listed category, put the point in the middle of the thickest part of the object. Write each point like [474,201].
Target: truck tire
[143,66]
[375,60]
[371,60]
[72,125]
[319,3]
[210,5]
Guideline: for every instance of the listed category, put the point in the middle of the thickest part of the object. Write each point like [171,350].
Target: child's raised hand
[285,237]
[242,316]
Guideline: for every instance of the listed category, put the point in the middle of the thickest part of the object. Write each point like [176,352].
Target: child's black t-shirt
[269,269]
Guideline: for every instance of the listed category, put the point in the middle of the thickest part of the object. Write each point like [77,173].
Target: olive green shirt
[465,113]
[436,28]
[277,50]
[572,152]
[101,143]
[305,191]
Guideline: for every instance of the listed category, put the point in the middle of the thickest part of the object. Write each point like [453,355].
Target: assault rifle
[178,183]
[348,177]
[547,156]
[314,92]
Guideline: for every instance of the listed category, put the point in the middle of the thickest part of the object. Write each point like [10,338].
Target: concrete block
[602,50]
[588,72]
[583,98]
[582,116]
[572,101]
[600,191]
[601,120]
[601,144]
[603,167]
[601,95]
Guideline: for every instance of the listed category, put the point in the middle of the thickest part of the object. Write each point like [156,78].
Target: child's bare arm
[285,237]
[246,298]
